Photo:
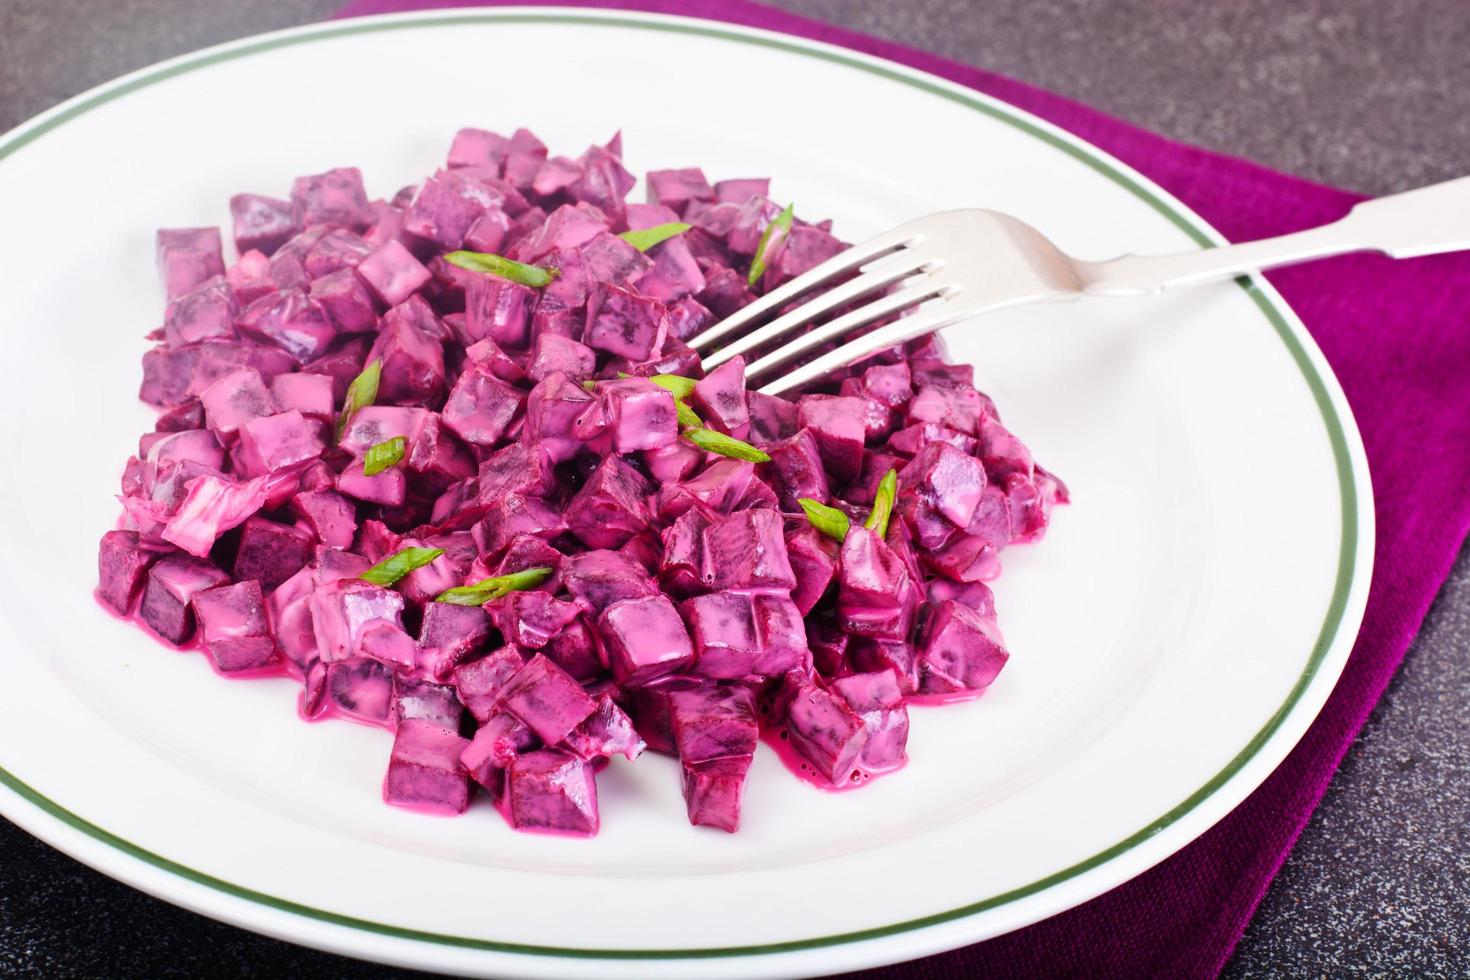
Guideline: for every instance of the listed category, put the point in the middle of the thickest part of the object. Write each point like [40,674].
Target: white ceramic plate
[1172,637]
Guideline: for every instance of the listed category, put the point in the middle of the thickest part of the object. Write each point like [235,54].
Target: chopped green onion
[883,504]
[781,225]
[486,590]
[361,393]
[394,567]
[384,455]
[590,385]
[717,442]
[644,239]
[499,265]
[674,384]
[829,520]
[687,417]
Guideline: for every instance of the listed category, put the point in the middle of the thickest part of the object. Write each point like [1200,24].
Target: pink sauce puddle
[780,743]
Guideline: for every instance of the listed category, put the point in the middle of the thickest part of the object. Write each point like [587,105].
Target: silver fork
[957,265]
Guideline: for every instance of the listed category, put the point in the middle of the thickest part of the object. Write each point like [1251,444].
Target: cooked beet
[233,628]
[270,553]
[122,564]
[172,585]
[425,770]
[550,790]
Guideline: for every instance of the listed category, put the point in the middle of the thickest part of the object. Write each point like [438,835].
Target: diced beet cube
[746,550]
[796,470]
[741,190]
[235,399]
[781,636]
[233,627]
[450,635]
[478,148]
[567,227]
[719,398]
[519,469]
[379,423]
[336,197]
[331,516]
[713,722]
[683,563]
[673,462]
[270,553]
[600,578]
[413,361]
[205,313]
[424,769]
[719,486]
[479,682]
[826,732]
[480,406]
[212,506]
[607,732]
[958,408]
[751,221]
[182,417]
[530,619]
[335,251]
[652,711]
[639,216]
[554,175]
[289,320]
[552,352]
[392,272]
[422,701]
[512,516]
[390,487]
[362,688]
[878,701]
[490,232]
[687,318]
[966,558]
[645,639]
[575,650]
[803,249]
[871,654]
[610,507]
[547,699]
[610,259]
[187,258]
[342,610]
[261,223]
[676,188]
[446,206]
[875,597]
[277,442]
[249,278]
[345,299]
[1002,453]
[772,418]
[499,310]
[495,746]
[604,181]
[552,409]
[960,650]
[550,790]
[722,626]
[829,647]
[436,458]
[813,558]
[837,423]
[712,791]
[122,564]
[640,414]
[947,479]
[624,322]
[309,394]
[173,582]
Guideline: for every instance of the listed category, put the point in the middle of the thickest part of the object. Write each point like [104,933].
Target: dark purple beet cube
[837,423]
[772,418]
[611,506]
[122,564]
[424,769]
[713,722]
[813,558]
[261,223]
[547,699]
[712,791]
[550,790]
[822,727]
[575,650]
[599,578]
[289,320]
[796,470]
[479,682]
[361,688]
[531,619]
[336,197]
[187,258]
[960,650]
[329,515]
[413,361]
[270,553]
[499,310]
[497,743]
[947,479]
[747,550]
[172,584]
[625,322]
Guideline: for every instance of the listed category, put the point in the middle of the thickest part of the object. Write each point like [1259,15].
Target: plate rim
[1334,640]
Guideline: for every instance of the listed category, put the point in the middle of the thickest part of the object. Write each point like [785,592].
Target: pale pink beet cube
[740,190]
[960,650]
[552,409]
[877,699]
[607,732]
[499,310]
[599,578]
[392,272]
[714,721]
[309,394]
[379,423]
[361,688]
[512,516]
[389,487]
[187,258]
[277,442]
[625,322]
[747,550]
[813,558]
[497,743]
[173,582]
[122,566]
[875,597]
[565,228]
[796,470]
[719,398]
[204,313]
[547,699]
[336,197]
[336,250]
[342,610]
[479,682]
[446,206]
[346,301]
[554,791]
[425,769]
[413,360]
[478,148]
[640,414]
[419,700]
[713,791]
[480,407]
[822,727]
[552,352]
[555,174]
[676,188]
[270,553]
[329,515]
[611,506]
[531,619]
[610,259]
[289,320]
[837,423]
[232,625]
[490,232]
[645,639]
[235,399]
[261,223]
[722,627]
[947,479]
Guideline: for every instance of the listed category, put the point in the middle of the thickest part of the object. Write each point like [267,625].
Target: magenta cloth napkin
[1398,336]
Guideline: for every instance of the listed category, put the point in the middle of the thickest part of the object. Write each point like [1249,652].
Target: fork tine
[911,295]
[845,261]
[905,328]
[881,273]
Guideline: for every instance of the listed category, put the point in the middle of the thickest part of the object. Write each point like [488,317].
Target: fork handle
[1419,222]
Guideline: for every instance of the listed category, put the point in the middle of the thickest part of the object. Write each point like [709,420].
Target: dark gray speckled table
[1367,94]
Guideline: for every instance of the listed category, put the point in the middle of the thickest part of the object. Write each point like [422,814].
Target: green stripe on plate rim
[1093,159]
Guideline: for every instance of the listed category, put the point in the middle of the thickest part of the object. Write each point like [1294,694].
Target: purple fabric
[1398,336]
